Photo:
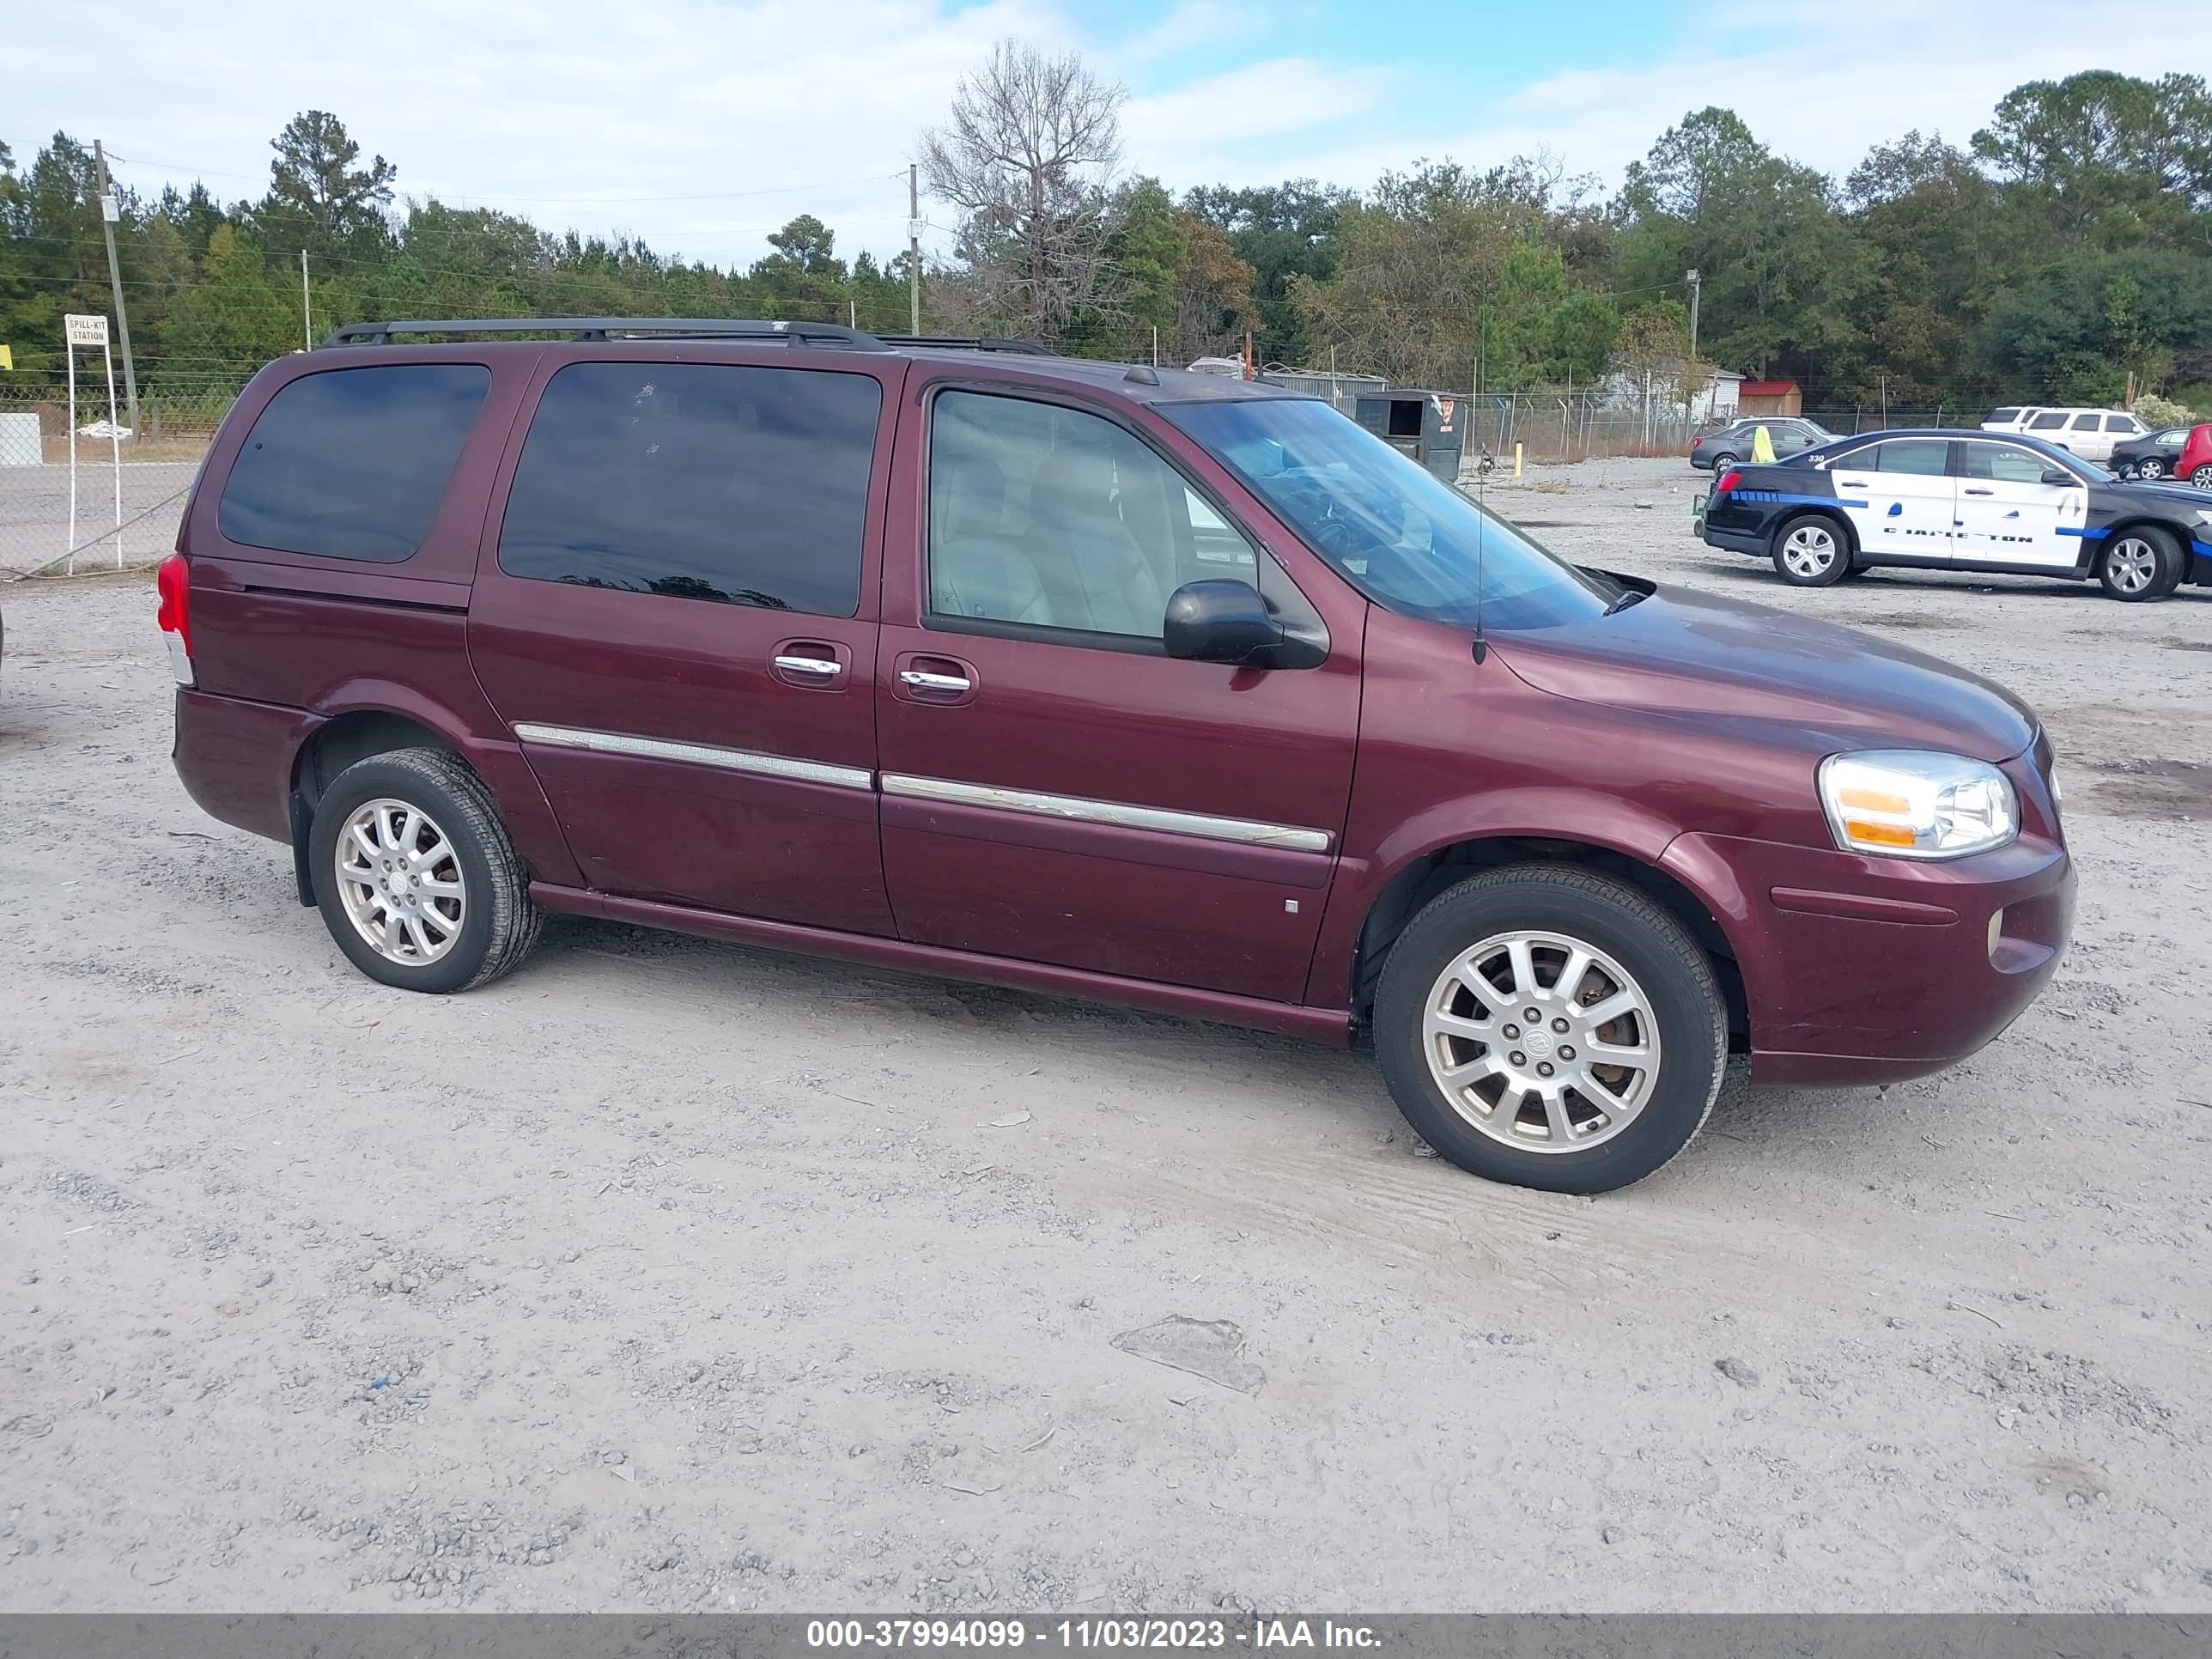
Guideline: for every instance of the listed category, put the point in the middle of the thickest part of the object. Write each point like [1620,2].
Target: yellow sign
[7,358]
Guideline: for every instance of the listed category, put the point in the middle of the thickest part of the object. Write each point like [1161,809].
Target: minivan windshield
[1397,532]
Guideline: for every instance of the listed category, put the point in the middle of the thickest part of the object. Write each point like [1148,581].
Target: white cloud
[1821,84]
[1178,133]
[574,114]
[685,121]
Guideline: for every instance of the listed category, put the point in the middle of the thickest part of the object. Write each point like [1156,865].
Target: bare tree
[1027,157]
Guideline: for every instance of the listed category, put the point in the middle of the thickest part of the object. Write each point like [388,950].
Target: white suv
[2088,433]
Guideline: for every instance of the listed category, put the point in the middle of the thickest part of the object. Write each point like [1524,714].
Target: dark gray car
[1790,434]
[2151,457]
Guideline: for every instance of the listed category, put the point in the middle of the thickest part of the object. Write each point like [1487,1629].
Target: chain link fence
[138,479]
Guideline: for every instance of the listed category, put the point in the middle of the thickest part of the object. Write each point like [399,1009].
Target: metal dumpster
[1429,426]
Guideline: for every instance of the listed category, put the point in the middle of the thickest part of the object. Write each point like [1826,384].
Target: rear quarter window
[351,463]
[2047,422]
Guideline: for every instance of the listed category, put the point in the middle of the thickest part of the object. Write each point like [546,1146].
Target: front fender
[1585,817]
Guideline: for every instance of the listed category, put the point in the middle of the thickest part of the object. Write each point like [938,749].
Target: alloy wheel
[2150,467]
[401,882]
[1541,1042]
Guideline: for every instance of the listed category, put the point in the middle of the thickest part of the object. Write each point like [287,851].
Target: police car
[1960,500]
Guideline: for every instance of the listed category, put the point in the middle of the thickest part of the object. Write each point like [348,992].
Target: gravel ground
[664,1275]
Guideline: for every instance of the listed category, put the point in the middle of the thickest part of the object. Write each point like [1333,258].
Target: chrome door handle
[922,680]
[828,671]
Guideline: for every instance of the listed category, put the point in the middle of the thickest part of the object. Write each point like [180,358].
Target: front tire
[2141,562]
[1810,551]
[415,876]
[1613,1075]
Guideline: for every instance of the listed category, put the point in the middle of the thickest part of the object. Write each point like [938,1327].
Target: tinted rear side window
[1929,457]
[2001,417]
[2047,422]
[698,481]
[351,464]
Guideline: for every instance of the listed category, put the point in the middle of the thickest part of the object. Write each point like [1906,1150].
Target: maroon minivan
[1158,688]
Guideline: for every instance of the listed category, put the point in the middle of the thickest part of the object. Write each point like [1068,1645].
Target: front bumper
[1860,970]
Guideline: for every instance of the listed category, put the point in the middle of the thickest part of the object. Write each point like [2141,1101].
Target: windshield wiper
[1626,596]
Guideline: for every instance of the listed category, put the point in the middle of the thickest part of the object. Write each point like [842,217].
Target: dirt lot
[666,1275]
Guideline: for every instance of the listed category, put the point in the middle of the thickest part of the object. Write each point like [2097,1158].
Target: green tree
[1935,233]
[1536,330]
[236,315]
[2071,331]
[1417,261]
[2106,159]
[1283,232]
[318,197]
[1781,267]
[803,279]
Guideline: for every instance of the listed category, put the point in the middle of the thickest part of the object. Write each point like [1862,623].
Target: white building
[1716,404]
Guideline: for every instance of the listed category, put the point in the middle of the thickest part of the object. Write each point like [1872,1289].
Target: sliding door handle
[922,680]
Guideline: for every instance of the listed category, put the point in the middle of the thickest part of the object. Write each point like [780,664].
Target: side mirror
[2058,474]
[1220,621]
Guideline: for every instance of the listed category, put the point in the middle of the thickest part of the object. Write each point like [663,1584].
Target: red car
[1163,688]
[2194,464]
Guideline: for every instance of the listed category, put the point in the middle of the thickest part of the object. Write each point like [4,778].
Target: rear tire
[2150,469]
[1811,551]
[1520,930]
[2140,562]
[415,876]
[1722,464]
[2202,477]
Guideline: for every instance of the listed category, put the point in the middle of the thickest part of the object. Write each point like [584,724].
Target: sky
[702,125]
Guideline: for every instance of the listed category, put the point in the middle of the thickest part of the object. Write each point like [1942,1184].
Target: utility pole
[914,248]
[1692,278]
[306,302]
[107,216]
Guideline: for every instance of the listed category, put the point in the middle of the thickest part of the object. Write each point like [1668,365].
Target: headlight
[1913,804]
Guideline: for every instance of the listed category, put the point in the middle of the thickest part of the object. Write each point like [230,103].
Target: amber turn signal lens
[1869,833]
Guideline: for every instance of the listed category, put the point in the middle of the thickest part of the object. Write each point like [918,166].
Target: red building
[1771,397]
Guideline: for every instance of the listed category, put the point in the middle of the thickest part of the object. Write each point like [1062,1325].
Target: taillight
[172,580]
[1730,480]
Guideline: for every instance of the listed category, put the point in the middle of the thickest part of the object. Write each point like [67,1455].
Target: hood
[2171,495]
[1697,655]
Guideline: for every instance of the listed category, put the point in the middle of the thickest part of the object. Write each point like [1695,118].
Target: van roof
[1139,382]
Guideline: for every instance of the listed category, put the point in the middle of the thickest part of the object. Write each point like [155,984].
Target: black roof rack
[968,343]
[614,328]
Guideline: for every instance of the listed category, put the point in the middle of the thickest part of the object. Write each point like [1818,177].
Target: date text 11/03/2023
[1086,1633]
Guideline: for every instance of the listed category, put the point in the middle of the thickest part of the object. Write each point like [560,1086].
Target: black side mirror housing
[2058,474]
[1221,621]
